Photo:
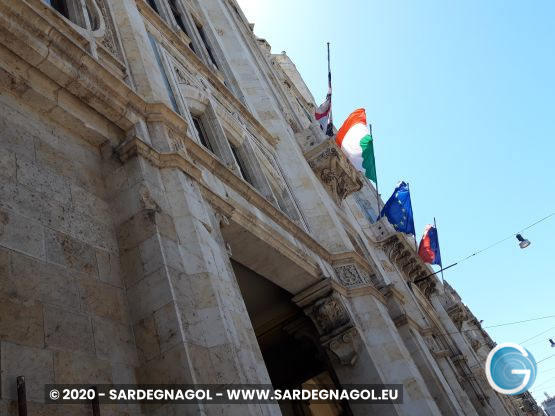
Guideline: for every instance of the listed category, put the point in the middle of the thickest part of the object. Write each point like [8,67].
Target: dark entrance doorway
[289,344]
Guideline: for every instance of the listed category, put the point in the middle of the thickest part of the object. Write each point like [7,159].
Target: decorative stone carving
[222,219]
[457,313]
[329,315]
[109,40]
[332,320]
[337,174]
[345,347]
[350,276]
[176,141]
[181,77]
[406,259]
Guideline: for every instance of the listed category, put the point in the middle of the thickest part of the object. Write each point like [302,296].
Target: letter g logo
[510,369]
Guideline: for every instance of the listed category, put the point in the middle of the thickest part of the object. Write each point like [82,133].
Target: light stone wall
[65,316]
[117,227]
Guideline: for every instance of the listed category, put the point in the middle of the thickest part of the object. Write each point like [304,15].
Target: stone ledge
[178,160]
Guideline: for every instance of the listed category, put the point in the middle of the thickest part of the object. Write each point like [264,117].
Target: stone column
[364,346]
[189,319]
[402,309]
[486,401]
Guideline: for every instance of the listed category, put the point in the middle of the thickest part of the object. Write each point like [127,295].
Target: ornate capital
[336,173]
[332,319]
[330,315]
[345,346]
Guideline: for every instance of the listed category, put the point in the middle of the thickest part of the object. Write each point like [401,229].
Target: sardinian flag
[323,113]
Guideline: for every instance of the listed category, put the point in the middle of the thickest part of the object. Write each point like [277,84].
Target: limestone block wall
[187,314]
[111,272]
[64,315]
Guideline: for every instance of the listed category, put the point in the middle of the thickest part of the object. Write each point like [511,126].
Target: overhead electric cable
[546,358]
[486,248]
[541,333]
[520,322]
[498,325]
[542,341]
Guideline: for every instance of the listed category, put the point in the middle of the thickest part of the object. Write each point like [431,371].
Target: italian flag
[355,139]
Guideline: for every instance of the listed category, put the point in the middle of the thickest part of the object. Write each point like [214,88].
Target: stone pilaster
[471,371]
[142,62]
[188,316]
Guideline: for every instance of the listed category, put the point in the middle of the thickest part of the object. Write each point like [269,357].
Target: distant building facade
[549,405]
[170,212]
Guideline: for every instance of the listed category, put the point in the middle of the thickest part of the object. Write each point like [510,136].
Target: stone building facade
[170,212]
[549,405]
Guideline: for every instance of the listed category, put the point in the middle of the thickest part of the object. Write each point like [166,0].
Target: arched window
[60,6]
[93,21]
[84,13]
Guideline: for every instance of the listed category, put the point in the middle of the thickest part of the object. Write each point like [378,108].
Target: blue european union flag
[398,209]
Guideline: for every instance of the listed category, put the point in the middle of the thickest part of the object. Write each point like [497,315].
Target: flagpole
[329,67]
[441,267]
[375,167]
[414,235]
[329,127]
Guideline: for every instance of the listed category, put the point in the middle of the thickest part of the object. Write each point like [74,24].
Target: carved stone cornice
[403,254]
[336,173]
[457,313]
[332,319]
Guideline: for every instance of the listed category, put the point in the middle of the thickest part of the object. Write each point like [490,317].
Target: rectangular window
[207,46]
[367,209]
[152,3]
[180,21]
[164,76]
[241,164]
[60,6]
[202,134]
[177,15]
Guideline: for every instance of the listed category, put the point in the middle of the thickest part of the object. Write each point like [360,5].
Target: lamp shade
[522,242]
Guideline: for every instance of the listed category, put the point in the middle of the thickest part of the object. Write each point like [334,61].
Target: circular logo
[510,369]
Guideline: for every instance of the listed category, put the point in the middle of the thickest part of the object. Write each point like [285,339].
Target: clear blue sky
[460,95]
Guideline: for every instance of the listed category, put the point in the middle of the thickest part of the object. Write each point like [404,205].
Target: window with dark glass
[180,21]
[177,15]
[152,3]
[207,45]
[241,164]
[163,72]
[60,6]
[202,134]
